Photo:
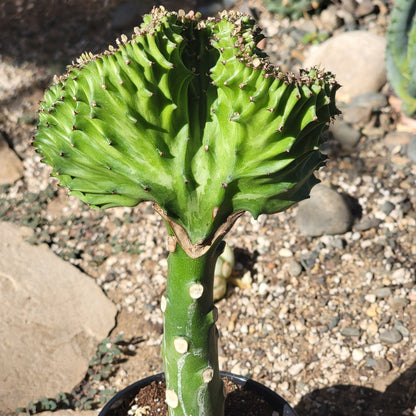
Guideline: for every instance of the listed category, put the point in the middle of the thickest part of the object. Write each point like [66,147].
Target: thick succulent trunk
[190,353]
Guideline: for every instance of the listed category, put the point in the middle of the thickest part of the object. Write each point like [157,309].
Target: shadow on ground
[399,399]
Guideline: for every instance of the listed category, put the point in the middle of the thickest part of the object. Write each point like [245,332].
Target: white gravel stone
[295,369]
[357,354]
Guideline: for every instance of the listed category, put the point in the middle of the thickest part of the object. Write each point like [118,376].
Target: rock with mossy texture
[53,318]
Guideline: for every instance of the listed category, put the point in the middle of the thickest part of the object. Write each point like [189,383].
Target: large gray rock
[325,212]
[52,319]
[357,60]
[11,167]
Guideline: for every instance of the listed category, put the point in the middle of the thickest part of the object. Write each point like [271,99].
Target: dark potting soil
[239,402]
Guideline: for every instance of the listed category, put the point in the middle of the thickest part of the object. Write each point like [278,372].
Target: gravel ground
[328,322]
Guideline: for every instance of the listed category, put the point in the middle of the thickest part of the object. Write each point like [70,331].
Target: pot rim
[276,401]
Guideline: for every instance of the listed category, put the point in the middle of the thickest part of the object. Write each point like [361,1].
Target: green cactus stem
[190,336]
[401,53]
[190,115]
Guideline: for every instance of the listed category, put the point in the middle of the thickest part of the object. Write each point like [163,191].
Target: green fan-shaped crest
[188,114]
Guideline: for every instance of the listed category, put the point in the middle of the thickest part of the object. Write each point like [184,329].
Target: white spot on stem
[181,345]
[207,375]
[172,399]
[196,291]
[163,303]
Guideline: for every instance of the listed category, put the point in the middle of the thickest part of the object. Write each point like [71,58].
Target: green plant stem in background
[401,53]
[190,353]
[294,9]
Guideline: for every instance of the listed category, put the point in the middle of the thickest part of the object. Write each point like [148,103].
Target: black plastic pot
[126,396]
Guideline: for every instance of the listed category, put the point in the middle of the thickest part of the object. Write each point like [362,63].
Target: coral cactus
[401,53]
[188,114]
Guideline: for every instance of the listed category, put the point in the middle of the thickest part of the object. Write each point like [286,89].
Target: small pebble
[383,292]
[308,260]
[357,354]
[285,252]
[334,322]
[376,348]
[366,223]
[371,329]
[350,332]
[294,268]
[387,207]
[390,336]
[372,311]
[402,329]
[295,369]
[383,365]
[370,298]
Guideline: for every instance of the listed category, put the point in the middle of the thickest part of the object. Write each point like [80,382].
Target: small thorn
[74,128]
[103,86]
[128,62]
[206,148]
[224,185]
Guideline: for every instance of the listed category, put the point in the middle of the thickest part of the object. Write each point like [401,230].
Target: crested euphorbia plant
[188,114]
